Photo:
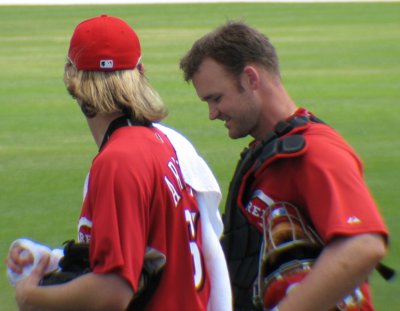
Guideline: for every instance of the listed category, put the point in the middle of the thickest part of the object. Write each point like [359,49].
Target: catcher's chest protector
[242,241]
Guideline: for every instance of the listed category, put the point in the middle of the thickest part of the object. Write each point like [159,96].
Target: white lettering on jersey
[259,201]
[84,229]
[198,269]
[255,210]
[175,195]
[190,221]
[198,275]
[171,165]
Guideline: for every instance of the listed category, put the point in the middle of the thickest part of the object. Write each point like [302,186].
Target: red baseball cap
[104,43]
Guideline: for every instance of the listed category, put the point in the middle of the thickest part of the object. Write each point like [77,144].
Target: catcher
[149,225]
[294,158]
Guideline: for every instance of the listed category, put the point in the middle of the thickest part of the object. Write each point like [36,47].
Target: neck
[276,106]
[99,124]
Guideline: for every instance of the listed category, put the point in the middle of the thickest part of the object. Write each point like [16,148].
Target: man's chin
[236,135]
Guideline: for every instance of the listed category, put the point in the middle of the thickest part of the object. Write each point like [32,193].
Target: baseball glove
[74,264]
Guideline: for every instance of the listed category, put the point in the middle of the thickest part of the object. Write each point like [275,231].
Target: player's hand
[24,289]
[18,258]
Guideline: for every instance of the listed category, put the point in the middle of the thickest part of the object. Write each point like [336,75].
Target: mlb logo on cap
[107,63]
[104,43]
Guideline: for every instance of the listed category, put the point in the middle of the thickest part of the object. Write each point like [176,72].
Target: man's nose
[212,112]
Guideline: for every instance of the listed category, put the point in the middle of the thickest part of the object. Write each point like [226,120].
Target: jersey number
[194,249]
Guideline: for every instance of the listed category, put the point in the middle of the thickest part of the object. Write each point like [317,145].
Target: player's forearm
[89,292]
[342,266]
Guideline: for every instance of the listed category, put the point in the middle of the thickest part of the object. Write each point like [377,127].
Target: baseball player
[149,236]
[295,160]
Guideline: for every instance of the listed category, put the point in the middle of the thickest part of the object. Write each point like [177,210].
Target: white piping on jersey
[263,197]
[84,222]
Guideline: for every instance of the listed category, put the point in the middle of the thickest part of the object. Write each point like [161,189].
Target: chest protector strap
[241,241]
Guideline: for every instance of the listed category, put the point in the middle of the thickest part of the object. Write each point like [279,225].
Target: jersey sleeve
[119,216]
[333,190]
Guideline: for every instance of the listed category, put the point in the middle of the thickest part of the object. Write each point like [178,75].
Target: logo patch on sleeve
[354,220]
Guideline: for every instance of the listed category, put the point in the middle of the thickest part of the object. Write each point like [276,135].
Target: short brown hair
[234,45]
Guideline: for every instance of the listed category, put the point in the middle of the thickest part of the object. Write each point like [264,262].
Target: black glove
[74,264]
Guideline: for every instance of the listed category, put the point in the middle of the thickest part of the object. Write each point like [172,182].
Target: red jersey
[326,182]
[137,200]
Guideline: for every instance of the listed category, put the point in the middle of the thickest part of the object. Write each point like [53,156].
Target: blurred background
[340,60]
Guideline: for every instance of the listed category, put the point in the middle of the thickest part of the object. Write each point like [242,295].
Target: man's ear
[252,77]
[88,110]
[140,67]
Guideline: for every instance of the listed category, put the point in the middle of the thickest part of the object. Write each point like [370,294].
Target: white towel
[221,295]
[37,250]
[198,175]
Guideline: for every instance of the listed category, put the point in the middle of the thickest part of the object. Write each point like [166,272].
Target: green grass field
[342,61]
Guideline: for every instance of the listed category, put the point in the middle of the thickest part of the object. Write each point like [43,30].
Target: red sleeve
[331,183]
[120,221]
